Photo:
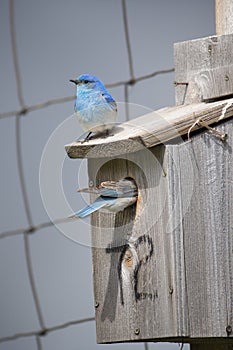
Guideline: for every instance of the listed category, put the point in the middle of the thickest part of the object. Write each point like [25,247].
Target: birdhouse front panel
[132,253]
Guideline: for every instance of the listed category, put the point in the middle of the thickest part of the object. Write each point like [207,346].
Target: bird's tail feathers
[89,209]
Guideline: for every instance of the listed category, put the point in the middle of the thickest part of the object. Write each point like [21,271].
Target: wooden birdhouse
[163,268]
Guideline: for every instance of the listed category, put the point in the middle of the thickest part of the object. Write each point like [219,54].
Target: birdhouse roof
[160,126]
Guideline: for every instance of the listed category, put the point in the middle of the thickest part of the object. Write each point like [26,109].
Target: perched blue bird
[113,195]
[94,106]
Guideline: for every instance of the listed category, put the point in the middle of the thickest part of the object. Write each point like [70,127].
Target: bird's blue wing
[108,98]
[118,192]
[91,208]
[110,192]
[105,192]
[122,188]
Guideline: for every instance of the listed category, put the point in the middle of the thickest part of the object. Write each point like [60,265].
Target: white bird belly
[97,119]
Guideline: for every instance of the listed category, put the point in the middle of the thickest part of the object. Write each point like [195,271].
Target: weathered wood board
[151,129]
[207,66]
[224,16]
[163,270]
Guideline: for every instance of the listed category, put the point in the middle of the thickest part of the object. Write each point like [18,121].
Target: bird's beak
[74,81]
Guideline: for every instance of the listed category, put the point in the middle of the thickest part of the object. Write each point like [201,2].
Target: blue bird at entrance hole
[112,195]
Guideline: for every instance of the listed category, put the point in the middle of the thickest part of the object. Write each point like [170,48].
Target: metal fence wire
[33,228]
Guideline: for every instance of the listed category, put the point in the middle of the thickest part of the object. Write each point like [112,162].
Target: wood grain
[151,129]
[163,269]
[224,17]
[207,66]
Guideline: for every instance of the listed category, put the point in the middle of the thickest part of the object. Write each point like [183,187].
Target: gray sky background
[57,41]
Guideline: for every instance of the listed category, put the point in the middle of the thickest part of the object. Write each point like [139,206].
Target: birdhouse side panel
[202,221]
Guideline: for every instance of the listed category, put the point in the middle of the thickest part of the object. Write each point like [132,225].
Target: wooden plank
[151,129]
[206,65]
[206,225]
[208,234]
[133,270]
[163,271]
[224,17]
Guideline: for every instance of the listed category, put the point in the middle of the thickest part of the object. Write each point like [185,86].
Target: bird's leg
[108,132]
[87,137]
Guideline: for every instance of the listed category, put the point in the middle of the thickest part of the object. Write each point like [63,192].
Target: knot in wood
[128,258]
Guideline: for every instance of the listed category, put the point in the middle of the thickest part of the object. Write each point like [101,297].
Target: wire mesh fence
[22,112]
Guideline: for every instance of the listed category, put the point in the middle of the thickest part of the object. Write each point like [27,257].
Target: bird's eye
[86,81]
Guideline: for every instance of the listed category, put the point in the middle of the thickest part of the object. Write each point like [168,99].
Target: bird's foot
[87,138]
[107,133]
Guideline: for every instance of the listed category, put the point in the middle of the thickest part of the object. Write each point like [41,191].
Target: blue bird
[94,106]
[113,195]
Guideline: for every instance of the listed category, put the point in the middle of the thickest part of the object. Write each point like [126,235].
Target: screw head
[137,331]
[226,77]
